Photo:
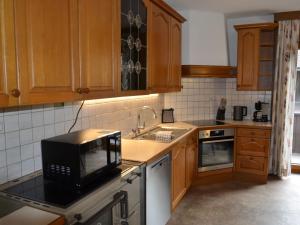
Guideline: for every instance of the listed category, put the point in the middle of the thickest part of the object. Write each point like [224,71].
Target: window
[297,103]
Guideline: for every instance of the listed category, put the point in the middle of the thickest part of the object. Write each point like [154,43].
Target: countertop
[148,151]
[16,213]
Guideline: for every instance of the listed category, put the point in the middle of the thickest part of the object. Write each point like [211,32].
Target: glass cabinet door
[133,45]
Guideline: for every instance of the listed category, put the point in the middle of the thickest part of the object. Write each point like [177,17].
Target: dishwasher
[158,191]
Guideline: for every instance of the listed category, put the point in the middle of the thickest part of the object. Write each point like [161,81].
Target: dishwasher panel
[158,192]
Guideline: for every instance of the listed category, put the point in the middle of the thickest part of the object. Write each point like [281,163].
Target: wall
[296,139]
[200,98]
[232,34]
[204,38]
[24,128]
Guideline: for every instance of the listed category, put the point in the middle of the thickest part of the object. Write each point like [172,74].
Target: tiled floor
[234,203]
[296,158]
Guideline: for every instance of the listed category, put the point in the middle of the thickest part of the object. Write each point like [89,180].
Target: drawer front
[252,146]
[248,132]
[251,164]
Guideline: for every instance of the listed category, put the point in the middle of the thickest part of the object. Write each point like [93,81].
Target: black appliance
[262,112]
[167,116]
[215,149]
[239,112]
[77,159]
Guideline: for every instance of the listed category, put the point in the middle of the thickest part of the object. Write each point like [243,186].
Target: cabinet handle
[79,90]
[83,90]
[15,92]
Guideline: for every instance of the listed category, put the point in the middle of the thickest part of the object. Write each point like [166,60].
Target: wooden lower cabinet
[184,161]
[252,154]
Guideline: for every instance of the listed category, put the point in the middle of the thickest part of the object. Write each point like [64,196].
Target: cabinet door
[252,165]
[159,49]
[8,73]
[253,146]
[175,71]
[46,33]
[248,59]
[178,173]
[191,158]
[98,44]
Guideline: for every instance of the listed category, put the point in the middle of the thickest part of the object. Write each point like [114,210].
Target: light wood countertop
[249,123]
[148,151]
[31,216]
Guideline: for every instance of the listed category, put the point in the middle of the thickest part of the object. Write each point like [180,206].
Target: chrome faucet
[140,125]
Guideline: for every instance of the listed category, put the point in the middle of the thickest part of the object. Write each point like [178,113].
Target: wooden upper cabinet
[98,48]
[175,75]
[8,73]
[160,37]
[165,48]
[248,44]
[256,54]
[47,52]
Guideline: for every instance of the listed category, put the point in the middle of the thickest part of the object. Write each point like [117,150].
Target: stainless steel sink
[151,134]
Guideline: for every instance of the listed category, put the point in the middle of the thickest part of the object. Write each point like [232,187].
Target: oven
[215,149]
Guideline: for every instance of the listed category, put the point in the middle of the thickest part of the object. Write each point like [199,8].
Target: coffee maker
[262,112]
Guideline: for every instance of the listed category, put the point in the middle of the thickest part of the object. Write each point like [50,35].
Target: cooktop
[205,122]
[42,191]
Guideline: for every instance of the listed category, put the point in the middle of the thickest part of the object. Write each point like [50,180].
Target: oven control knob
[78,216]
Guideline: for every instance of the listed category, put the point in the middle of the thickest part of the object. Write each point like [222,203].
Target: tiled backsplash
[200,98]
[22,129]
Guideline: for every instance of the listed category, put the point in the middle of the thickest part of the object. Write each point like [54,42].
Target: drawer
[248,132]
[252,146]
[252,165]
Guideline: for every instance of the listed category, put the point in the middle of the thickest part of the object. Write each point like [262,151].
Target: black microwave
[79,158]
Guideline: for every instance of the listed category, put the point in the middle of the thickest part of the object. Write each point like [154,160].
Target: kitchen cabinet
[47,52]
[134,45]
[98,47]
[256,53]
[184,164]
[8,71]
[191,158]
[165,50]
[252,153]
[178,172]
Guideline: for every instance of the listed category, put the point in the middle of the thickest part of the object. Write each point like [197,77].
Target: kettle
[239,112]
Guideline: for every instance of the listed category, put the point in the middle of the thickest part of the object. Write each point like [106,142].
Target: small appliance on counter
[79,158]
[262,112]
[239,112]
[221,110]
[167,116]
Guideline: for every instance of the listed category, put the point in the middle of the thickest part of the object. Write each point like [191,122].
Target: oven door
[114,213]
[215,153]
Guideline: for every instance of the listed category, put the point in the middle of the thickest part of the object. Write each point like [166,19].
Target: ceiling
[234,8]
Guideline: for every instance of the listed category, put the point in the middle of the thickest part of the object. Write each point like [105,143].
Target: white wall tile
[3,175]
[14,171]
[37,118]
[11,123]
[26,136]
[12,139]
[48,117]
[27,166]
[25,121]
[13,155]
[26,151]
[2,141]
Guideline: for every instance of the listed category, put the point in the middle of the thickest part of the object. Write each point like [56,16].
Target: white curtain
[284,97]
